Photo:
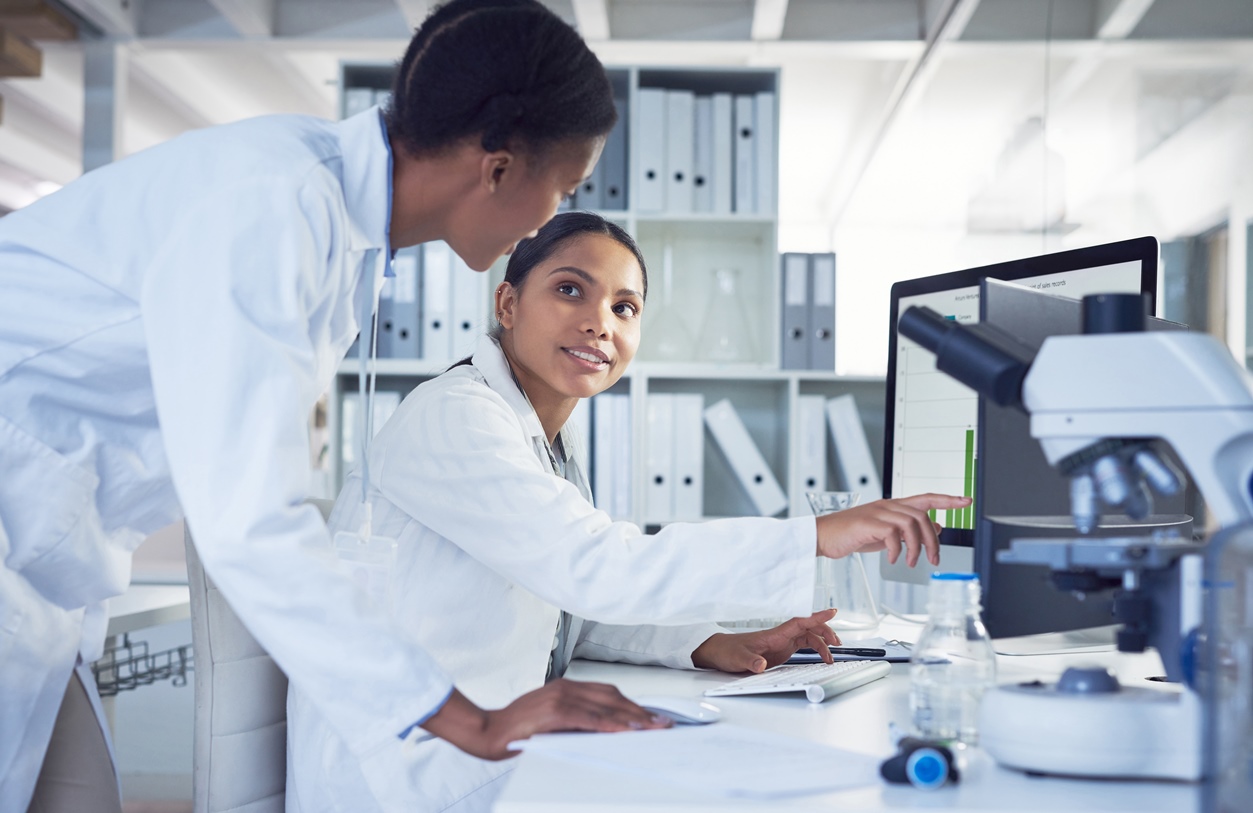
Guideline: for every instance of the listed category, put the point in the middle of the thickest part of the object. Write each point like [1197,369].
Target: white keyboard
[817,680]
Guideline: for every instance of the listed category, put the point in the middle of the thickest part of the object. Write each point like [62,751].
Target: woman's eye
[568,288]
[627,309]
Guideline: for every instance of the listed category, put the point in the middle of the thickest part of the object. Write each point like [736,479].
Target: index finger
[928,501]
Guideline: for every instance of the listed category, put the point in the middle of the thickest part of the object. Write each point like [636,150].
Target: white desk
[148,605]
[857,721]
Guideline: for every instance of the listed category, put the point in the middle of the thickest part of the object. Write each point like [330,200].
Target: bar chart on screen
[935,419]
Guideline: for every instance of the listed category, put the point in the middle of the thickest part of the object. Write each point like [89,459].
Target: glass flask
[726,333]
[842,583]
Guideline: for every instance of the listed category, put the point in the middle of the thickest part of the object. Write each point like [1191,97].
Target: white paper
[719,759]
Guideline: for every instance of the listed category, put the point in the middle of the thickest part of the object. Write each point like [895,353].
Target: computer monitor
[1019,494]
[931,427]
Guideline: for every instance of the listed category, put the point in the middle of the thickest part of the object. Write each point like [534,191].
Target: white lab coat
[490,544]
[166,324]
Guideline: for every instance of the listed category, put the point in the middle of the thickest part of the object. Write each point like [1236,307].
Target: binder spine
[745,155]
[794,342]
[745,459]
[852,449]
[822,313]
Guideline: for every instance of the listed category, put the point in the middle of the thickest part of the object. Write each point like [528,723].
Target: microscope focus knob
[1115,313]
[1087,680]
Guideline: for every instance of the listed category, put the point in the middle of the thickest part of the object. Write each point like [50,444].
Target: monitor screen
[931,427]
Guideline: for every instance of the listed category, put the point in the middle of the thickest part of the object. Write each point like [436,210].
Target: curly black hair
[509,72]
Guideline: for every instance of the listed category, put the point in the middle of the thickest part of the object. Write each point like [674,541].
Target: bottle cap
[926,768]
[953,593]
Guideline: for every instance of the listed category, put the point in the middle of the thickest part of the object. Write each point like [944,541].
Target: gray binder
[398,309]
[745,155]
[703,154]
[590,196]
[795,342]
[822,312]
[613,161]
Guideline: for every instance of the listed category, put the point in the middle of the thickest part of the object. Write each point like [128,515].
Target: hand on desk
[891,525]
[560,705]
[758,651]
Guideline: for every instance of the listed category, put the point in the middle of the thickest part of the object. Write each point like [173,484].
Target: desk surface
[856,721]
[148,605]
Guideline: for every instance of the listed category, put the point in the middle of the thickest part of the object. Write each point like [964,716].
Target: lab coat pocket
[47,509]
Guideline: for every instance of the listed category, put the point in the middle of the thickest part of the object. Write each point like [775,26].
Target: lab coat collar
[367,161]
[490,360]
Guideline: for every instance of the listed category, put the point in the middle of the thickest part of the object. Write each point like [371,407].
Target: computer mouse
[683,710]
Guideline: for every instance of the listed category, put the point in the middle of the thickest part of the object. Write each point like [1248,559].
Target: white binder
[602,452]
[660,457]
[622,469]
[722,176]
[764,165]
[822,313]
[744,458]
[703,154]
[650,186]
[794,344]
[469,306]
[811,451]
[679,148]
[689,456]
[857,464]
[437,301]
[386,403]
[745,155]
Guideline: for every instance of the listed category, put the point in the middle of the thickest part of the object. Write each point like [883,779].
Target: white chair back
[240,741]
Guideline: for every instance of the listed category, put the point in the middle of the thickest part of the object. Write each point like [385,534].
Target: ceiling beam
[768,17]
[114,18]
[949,24]
[592,18]
[414,11]
[251,18]
[1116,19]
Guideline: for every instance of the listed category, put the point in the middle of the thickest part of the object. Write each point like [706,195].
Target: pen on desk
[859,651]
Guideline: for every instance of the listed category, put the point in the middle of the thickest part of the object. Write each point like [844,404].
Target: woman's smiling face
[574,325]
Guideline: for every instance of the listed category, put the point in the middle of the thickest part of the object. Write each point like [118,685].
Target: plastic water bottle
[952,664]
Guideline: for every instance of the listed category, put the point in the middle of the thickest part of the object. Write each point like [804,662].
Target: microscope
[1100,403]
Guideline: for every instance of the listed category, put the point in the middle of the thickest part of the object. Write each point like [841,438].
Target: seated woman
[500,553]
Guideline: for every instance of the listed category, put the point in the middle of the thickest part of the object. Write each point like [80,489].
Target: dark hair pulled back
[510,72]
[554,234]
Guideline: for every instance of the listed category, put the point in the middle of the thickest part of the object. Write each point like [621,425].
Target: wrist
[461,723]
[705,655]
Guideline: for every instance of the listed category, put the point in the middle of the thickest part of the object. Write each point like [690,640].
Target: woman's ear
[506,299]
[494,166]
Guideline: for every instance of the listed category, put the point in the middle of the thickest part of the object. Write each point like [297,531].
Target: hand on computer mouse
[758,651]
[900,525]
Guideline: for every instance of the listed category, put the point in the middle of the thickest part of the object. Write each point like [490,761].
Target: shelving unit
[685,253]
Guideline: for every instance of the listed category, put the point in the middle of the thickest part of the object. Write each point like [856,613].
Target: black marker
[863,652]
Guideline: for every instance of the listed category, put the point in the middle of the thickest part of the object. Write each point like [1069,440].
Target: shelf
[394,367]
[655,369]
[699,217]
